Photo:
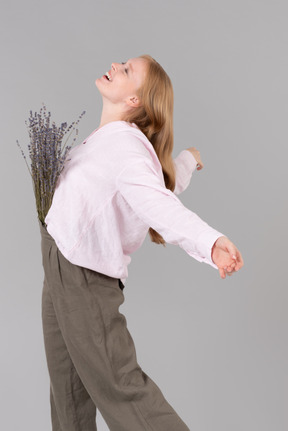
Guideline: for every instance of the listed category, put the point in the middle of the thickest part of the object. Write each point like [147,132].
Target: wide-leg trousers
[91,355]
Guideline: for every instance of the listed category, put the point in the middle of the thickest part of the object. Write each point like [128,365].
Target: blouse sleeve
[185,164]
[145,192]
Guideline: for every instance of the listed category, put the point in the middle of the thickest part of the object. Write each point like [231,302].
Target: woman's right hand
[197,157]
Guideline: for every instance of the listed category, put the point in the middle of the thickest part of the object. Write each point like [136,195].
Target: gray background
[216,348]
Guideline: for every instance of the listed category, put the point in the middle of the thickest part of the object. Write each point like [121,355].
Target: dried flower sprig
[48,155]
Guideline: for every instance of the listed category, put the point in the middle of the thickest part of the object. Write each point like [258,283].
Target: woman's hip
[64,276]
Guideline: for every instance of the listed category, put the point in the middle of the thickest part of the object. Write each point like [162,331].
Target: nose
[114,66]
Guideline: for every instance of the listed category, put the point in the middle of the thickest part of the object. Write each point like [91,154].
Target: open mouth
[108,76]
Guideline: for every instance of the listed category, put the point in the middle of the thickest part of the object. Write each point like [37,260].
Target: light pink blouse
[111,191]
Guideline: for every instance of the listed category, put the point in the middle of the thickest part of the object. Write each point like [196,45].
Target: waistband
[47,237]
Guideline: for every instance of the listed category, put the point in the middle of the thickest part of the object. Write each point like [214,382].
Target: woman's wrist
[215,245]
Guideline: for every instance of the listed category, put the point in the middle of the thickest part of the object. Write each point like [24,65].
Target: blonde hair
[155,119]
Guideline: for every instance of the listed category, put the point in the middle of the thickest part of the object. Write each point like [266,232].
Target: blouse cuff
[190,160]
[205,244]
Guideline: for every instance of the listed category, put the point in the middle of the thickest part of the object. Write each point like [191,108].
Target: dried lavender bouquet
[48,153]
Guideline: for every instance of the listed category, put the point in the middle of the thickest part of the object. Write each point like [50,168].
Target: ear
[133,101]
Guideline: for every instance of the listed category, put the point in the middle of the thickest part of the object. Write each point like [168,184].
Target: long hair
[155,119]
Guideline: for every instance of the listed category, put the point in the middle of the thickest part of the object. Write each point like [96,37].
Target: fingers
[230,269]
[240,261]
[232,249]
[235,266]
[222,272]
[236,255]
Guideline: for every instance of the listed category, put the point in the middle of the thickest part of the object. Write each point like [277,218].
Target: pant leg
[102,350]
[71,406]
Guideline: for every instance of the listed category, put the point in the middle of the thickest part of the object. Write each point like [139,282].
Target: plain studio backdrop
[216,348]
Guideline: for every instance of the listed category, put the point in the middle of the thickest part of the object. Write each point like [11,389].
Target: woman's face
[125,79]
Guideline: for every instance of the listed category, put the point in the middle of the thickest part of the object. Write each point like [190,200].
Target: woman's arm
[185,164]
[158,207]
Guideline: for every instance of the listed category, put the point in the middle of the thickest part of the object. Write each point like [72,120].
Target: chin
[97,84]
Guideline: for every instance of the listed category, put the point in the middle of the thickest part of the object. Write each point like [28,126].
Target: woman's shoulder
[128,137]
[124,141]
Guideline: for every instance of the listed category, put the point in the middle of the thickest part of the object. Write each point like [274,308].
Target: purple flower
[48,154]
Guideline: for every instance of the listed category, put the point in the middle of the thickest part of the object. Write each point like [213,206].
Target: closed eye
[126,70]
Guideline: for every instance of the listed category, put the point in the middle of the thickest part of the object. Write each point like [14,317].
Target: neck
[110,112]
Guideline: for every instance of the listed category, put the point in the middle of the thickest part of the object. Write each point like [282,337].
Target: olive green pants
[91,355]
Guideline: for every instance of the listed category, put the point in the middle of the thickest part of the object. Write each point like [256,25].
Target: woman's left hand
[197,157]
[226,256]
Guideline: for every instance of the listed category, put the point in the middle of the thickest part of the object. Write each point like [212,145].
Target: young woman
[119,184]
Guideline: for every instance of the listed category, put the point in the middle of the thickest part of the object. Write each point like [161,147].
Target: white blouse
[111,191]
